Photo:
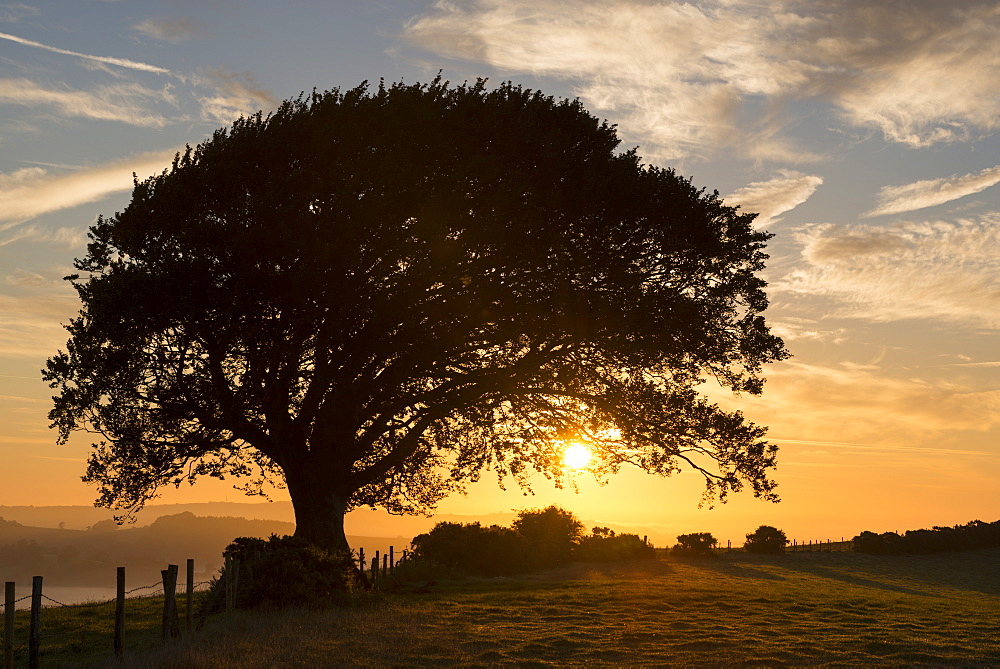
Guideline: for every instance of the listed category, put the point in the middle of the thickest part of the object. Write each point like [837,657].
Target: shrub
[473,549]
[887,543]
[975,534]
[766,539]
[551,532]
[283,571]
[699,544]
[609,547]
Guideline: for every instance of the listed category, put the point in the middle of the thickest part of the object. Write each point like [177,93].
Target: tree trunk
[319,510]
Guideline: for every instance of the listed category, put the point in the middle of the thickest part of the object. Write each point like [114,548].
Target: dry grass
[801,609]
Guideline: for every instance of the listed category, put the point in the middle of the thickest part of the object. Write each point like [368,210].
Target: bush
[699,544]
[539,539]
[473,549]
[551,532]
[609,547]
[972,535]
[766,539]
[887,543]
[283,571]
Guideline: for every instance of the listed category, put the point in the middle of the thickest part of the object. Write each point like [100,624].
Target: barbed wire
[77,634]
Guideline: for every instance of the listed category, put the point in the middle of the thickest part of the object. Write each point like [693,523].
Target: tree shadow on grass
[730,568]
[974,571]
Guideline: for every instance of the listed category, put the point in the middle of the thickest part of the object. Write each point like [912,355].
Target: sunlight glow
[576,456]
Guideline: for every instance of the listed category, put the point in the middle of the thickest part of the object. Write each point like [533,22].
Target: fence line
[73,631]
[805,546]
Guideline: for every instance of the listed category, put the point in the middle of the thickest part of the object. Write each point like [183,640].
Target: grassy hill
[802,608]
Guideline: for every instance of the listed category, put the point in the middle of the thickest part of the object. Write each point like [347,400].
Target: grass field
[739,609]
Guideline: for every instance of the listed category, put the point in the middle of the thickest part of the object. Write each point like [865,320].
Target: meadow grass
[82,634]
[738,609]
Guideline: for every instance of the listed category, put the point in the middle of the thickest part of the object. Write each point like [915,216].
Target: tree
[698,544]
[474,549]
[551,532]
[374,296]
[766,539]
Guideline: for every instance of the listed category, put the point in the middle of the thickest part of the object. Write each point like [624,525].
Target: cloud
[791,328]
[234,95]
[32,191]
[12,13]
[167,30]
[120,62]
[772,198]
[932,192]
[67,237]
[126,103]
[718,75]
[924,270]
[872,407]
[30,319]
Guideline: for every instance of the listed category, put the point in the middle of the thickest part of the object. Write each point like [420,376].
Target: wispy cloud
[120,62]
[791,328]
[774,197]
[66,237]
[932,192]
[883,448]
[234,94]
[123,102]
[682,76]
[870,407]
[30,320]
[14,12]
[927,270]
[33,191]
[167,30]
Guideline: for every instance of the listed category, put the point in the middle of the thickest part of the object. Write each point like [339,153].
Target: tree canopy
[373,296]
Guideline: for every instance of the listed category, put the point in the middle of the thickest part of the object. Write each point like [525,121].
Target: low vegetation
[766,539]
[971,536]
[697,544]
[797,608]
[538,539]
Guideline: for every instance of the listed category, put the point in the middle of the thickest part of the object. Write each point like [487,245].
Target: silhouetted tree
[766,539]
[372,297]
[551,532]
[698,544]
[474,549]
[606,546]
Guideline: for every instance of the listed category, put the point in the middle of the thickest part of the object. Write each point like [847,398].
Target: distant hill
[82,517]
[73,557]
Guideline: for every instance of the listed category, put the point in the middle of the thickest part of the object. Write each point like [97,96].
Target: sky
[864,132]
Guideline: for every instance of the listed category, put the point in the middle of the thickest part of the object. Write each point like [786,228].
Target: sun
[576,456]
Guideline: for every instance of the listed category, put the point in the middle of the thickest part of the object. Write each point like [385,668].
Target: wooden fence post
[8,625]
[171,624]
[361,560]
[120,612]
[232,581]
[392,559]
[229,589]
[375,568]
[189,605]
[35,627]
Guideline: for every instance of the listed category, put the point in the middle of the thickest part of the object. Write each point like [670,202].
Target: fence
[806,546]
[77,631]
[382,566]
